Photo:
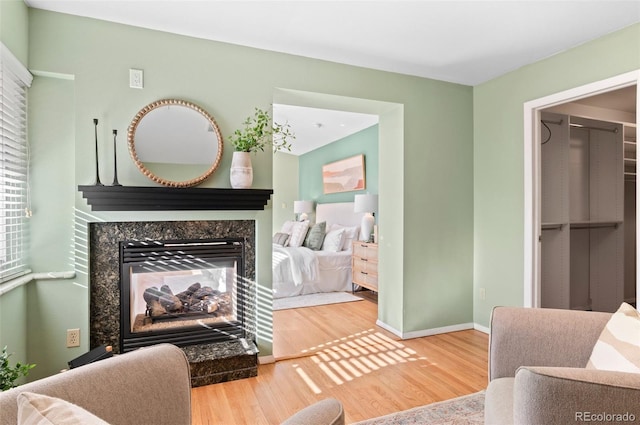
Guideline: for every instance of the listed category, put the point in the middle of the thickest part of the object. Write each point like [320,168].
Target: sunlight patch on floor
[346,359]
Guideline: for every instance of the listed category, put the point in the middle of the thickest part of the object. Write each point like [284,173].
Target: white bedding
[317,271]
[301,271]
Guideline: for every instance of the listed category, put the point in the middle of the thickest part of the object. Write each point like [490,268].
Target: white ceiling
[317,127]
[466,42]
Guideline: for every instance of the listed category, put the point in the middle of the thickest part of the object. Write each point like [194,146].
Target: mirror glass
[175,143]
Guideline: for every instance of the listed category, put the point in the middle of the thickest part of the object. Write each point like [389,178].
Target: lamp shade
[302,207]
[366,203]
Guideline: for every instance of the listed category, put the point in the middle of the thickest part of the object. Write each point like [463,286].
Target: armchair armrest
[549,395]
[541,337]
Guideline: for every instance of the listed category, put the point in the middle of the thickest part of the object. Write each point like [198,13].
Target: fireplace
[211,362]
[105,240]
[184,292]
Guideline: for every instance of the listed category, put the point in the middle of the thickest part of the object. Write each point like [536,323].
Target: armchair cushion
[618,347]
[498,402]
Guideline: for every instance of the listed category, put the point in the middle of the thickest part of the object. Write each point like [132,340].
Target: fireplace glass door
[181,292]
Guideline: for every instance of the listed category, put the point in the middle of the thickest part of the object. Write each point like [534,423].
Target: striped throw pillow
[618,347]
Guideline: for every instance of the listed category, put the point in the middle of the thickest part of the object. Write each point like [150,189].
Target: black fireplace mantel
[143,198]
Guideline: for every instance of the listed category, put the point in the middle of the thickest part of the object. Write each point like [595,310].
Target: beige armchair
[147,386]
[537,374]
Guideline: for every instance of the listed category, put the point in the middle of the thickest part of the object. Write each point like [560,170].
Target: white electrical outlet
[73,338]
[136,78]
[483,294]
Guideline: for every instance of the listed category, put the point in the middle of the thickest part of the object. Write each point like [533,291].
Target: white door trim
[532,174]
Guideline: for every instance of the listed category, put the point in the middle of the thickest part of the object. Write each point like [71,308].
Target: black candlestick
[115,161]
[95,125]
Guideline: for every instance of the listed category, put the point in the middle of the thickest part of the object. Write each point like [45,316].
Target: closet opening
[583,199]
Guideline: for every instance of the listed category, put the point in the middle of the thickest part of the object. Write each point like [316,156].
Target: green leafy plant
[9,374]
[258,133]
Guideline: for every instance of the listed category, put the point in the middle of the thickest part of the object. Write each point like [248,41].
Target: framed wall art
[344,175]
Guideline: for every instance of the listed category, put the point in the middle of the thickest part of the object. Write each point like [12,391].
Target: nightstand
[364,265]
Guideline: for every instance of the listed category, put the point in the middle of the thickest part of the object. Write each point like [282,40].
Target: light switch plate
[136,77]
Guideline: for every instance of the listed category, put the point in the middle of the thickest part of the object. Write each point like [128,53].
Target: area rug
[311,300]
[465,410]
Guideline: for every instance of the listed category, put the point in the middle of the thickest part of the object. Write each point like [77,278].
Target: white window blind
[14,162]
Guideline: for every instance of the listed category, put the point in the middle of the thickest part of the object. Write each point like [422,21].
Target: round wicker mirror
[175,143]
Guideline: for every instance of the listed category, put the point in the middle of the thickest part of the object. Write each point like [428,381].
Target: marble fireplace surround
[104,274]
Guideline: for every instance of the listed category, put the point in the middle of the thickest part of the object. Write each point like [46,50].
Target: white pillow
[287,227]
[618,347]
[350,235]
[38,409]
[333,240]
[298,233]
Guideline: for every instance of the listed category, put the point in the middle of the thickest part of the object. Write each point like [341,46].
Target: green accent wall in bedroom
[364,142]
[498,157]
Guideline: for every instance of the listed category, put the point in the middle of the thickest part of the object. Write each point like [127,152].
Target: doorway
[578,99]
[390,136]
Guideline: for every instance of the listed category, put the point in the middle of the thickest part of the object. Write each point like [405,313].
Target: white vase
[241,170]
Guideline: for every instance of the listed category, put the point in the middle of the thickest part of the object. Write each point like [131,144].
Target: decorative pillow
[281,238]
[333,240]
[315,236]
[298,233]
[618,347]
[350,234]
[287,227]
[38,409]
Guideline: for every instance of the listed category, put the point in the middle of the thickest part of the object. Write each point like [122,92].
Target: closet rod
[586,127]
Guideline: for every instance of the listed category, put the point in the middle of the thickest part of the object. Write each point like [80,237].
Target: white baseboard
[481,328]
[266,359]
[426,332]
[389,328]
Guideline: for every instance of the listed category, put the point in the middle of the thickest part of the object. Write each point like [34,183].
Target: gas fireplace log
[168,300]
[205,292]
[151,294]
[185,296]
[155,308]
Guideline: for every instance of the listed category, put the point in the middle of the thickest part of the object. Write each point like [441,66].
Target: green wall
[498,156]
[425,180]
[14,28]
[285,184]
[363,142]
[13,305]
[53,305]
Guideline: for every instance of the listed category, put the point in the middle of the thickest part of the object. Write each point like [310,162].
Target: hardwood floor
[338,351]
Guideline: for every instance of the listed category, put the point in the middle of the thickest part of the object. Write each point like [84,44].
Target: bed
[300,270]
